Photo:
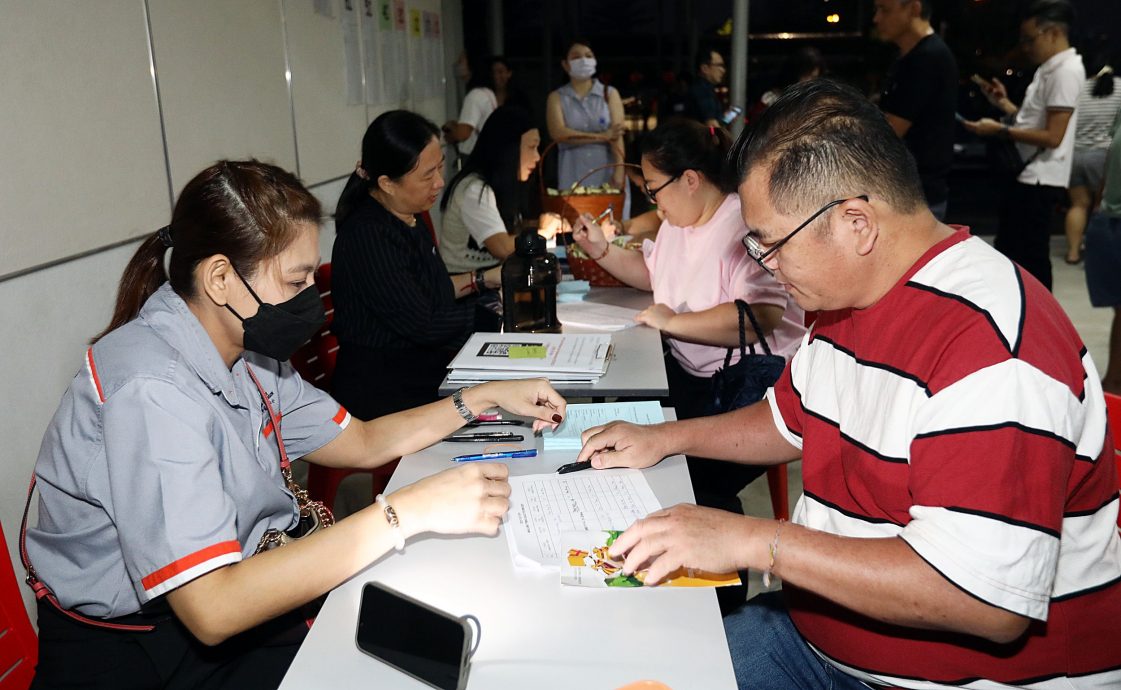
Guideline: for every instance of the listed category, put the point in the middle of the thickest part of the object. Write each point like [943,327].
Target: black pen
[574,467]
[497,422]
[493,437]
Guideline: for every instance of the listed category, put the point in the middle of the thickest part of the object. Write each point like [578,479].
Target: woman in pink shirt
[697,267]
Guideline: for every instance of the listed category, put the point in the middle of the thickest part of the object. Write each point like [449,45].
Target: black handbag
[745,382]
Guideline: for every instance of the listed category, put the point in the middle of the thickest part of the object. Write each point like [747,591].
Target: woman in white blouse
[486,201]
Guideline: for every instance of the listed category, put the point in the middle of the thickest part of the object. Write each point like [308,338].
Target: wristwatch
[461,407]
[480,280]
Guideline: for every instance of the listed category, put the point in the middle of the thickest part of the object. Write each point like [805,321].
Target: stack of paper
[560,357]
[580,417]
[601,317]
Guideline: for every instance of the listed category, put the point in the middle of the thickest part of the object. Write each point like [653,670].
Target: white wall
[50,314]
[49,317]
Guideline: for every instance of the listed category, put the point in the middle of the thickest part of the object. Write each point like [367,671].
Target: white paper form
[352,54]
[604,317]
[543,507]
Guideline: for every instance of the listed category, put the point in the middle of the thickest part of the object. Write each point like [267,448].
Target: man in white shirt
[1043,130]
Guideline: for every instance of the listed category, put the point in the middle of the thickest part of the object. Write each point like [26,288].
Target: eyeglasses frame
[652,194]
[755,249]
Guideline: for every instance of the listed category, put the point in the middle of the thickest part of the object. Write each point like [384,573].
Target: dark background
[641,45]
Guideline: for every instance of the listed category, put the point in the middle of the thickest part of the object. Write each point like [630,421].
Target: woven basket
[570,206]
[583,268]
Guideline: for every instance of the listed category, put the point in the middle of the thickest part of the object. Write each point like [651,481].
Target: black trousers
[716,483]
[76,655]
[1024,235]
[373,383]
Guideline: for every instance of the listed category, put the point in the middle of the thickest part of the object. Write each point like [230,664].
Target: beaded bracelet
[394,522]
[605,250]
[774,554]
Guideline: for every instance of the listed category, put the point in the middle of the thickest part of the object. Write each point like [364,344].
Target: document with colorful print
[588,565]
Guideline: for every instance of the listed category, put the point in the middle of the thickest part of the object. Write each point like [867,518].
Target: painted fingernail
[557,418]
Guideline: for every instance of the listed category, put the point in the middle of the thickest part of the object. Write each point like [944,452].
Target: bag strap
[303,502]
[759,335]
[740,304]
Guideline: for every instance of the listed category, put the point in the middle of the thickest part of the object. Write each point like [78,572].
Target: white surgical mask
[582,68]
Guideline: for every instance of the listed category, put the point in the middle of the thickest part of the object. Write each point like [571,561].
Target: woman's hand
[656,316]
[589,235]
[549,224]
[526,397]
[469,499]
[492,277]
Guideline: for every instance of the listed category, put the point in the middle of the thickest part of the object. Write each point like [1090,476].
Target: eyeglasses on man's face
[652,194]
[757,251]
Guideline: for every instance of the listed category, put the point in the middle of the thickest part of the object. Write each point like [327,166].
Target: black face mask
[278,330]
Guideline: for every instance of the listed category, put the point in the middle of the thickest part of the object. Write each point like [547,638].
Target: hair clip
[164,234]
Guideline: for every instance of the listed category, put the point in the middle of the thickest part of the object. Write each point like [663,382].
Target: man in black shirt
[920,94]
[704,105]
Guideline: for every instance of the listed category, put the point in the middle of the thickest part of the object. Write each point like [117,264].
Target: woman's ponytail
[143,276]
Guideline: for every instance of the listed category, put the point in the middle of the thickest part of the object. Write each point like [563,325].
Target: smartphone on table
[413,637]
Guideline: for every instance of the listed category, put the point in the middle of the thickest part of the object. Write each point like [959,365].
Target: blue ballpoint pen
[531,453]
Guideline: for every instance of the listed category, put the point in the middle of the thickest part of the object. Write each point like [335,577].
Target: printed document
[543,507]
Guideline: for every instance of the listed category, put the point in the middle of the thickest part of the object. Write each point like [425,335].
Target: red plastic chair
[315,361]
[19,648]
[1113,410]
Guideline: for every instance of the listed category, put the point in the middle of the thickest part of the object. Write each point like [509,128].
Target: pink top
[696,268]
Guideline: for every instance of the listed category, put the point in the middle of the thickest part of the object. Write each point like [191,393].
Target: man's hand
[985,127]
[622,444]
[685,536]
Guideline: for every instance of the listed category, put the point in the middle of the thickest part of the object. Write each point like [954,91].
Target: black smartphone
[413,637]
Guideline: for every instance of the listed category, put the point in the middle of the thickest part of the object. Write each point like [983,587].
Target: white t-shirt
[472,214]
[1055,86]
[478,104]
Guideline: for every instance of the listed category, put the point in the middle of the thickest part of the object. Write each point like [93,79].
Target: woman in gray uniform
[161,479]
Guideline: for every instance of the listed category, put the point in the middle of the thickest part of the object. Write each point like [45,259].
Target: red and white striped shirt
[962,414]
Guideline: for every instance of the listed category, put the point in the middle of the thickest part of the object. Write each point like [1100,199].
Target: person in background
[1043,130]
[490,87]
[585,118]
[160,476]
[803,64]
[704,106]
[399,316]
[958,523]
[1103,256]
[920,95]
[484,204]
[697,267]
[1098,105]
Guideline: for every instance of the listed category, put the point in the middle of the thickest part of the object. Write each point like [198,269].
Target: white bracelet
[394,522]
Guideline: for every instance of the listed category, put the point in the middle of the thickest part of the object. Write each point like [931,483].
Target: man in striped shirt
[958,526]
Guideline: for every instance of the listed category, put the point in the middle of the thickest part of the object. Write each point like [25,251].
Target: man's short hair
[703,57]
[822,140]
[927,7]
[1046,13]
